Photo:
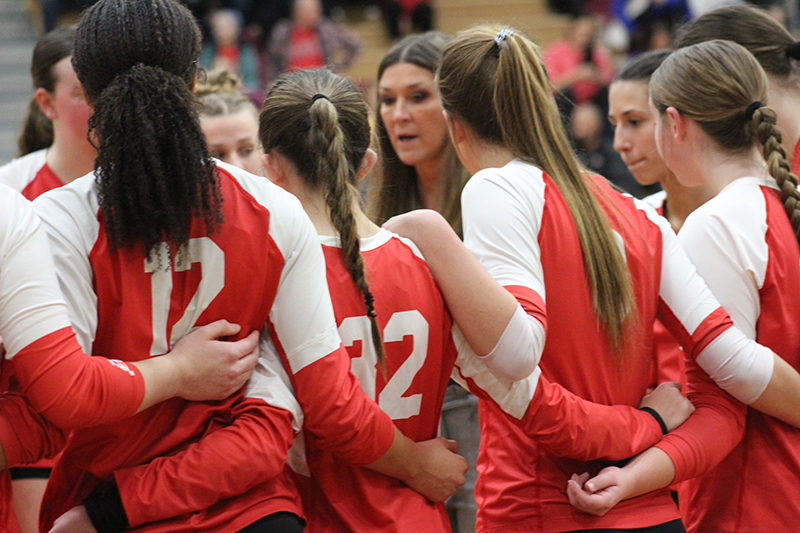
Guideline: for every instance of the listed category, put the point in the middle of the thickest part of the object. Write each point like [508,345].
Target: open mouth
[406,138]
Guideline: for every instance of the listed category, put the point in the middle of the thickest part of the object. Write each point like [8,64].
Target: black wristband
[655,415]
[106,511]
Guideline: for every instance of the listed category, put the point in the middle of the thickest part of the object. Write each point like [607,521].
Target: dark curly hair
[137,62]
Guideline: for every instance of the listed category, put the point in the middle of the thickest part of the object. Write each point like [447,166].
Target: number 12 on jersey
[402,324]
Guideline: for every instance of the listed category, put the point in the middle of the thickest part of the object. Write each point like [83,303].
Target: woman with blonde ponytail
[714,129]
[594,268]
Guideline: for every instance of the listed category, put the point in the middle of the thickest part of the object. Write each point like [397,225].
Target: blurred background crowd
[584,43]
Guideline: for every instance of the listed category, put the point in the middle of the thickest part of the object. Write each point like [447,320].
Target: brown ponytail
[319,122]
[718,84]
[494,79]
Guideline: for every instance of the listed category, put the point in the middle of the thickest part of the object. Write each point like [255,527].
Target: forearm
[781,398]
[652,470]
[223,464]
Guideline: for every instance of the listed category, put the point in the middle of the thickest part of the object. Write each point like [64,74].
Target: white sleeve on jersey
[513,397]
[502,218]
[69,215]
[519,350]
[737,364]
[302,313]
[31,306]
[725,239]
[19,172]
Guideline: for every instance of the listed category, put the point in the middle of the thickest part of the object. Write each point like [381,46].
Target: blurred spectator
[651,23]
[405,16]
[309,40]
[580,69]
[226,50]
[53,10]
[596,152]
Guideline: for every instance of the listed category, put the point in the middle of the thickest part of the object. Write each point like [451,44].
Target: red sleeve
[338,412]
[570,426]
[73,390]
[713,430]
[223,464]
[26,436]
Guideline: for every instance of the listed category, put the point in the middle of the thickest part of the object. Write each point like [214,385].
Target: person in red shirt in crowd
[309,40]
[747,247]
[777,52]
[54,146]
[580,69]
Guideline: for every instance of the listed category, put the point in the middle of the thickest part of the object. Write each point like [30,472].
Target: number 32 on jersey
[402,324]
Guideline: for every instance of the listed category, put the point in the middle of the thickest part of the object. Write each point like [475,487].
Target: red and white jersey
[41,349]
[420,353]
[207,466]
[518,225]
[744,245]
[30,175]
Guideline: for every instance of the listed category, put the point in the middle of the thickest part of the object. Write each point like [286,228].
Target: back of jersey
[132,307]
[420,354]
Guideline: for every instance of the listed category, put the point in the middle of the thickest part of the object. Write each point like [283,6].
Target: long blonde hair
[719,85]
[494,80]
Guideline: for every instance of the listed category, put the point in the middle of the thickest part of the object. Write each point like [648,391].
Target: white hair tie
[501,36]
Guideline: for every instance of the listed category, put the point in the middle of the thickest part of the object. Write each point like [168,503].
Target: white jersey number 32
[391,399]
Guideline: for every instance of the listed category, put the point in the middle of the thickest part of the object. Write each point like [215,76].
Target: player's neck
[318,212]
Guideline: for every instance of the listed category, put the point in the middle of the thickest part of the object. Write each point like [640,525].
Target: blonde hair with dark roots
[220,94]
[501,91]
[319,121]
[714,83]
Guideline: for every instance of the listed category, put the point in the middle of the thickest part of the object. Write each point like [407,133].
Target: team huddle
[266,357]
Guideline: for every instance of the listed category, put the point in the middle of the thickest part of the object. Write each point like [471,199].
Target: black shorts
[281,522]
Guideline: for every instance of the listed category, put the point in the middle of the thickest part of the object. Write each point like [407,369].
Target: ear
[275,172]
[677,124]
[45,101]
[367,163]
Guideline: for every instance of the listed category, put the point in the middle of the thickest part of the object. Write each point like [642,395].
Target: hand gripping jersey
[420,353]
[744,245]
[206,466]
[30,175]
[59,383]
[518,225]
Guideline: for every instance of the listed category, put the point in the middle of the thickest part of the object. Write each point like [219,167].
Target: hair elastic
[751,109]
[370,301]
[501,36]
[794,51]
[317,97]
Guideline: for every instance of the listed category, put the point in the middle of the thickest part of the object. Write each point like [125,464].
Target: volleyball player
[54,146]
[746,246]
